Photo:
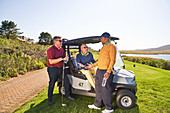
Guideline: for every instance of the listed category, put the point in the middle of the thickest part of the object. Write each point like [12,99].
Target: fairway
[153,95]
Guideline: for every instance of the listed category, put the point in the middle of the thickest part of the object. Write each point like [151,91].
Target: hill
[18,57]
[159,50]
[162,48]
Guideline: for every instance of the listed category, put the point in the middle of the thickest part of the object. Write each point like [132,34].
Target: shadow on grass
[77,106]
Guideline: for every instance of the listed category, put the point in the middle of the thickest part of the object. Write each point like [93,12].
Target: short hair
[83,44]
[56,37]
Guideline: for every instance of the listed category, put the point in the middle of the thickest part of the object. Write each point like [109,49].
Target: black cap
[106,35]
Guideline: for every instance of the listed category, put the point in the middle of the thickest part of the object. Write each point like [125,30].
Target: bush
[18,57]
[12,72]
[3,42]
[159,63]
[40,65]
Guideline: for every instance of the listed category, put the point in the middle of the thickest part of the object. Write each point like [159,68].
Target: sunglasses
[59,40]
[85,47]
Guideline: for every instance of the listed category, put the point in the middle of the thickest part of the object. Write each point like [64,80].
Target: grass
[153,95]
[153,88]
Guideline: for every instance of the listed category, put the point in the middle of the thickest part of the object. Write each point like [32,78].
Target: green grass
[153,95]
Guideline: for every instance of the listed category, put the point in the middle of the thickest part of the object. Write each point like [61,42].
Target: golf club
[63,87]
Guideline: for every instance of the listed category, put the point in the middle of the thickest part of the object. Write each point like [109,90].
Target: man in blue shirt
[83,59]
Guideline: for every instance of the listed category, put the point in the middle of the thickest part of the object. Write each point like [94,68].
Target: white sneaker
[107,111]
[93,107]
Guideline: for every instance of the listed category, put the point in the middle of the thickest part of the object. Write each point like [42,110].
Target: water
[159,56]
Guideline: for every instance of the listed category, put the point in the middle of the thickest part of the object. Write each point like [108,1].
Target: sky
[139,24]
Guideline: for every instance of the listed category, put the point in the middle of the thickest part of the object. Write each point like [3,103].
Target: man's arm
[78,61]
[95,64]
[51,59]
[91,65]
[92,60]
[54,61]
[112,55]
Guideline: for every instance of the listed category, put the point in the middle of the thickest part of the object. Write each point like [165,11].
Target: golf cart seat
[75,70]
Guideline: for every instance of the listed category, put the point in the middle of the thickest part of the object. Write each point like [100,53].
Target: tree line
[9,30]
[159,63]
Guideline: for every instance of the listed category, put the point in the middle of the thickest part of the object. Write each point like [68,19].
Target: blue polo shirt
[84,59]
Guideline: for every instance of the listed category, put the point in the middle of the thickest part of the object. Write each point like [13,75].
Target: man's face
[104,40]
[84,48]
[58,42]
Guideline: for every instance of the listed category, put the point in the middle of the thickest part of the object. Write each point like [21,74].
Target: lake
[160,56]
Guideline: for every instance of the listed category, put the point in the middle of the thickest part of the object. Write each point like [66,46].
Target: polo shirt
[54,53]
[84,59]
[107,57]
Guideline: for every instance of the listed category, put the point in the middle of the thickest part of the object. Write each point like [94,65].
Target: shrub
[17,57]
[40,65]
[12,72]
[3,42]
[159,63]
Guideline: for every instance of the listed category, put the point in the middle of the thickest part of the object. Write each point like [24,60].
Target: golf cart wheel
[61,90]
[125,99]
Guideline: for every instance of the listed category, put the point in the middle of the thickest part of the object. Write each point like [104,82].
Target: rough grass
[153,88]
[153,95]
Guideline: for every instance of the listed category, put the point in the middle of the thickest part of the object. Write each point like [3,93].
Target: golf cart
[124,85]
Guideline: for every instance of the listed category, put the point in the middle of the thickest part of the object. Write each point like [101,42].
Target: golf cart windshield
[75,44]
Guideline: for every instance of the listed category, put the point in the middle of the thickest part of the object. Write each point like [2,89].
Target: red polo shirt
[53,53]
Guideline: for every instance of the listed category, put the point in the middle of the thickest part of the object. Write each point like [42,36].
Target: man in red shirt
[55,61]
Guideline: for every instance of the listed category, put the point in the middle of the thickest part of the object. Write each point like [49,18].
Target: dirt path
[16,91]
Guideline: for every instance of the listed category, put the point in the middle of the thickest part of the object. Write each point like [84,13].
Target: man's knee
[93,70]
[85,72]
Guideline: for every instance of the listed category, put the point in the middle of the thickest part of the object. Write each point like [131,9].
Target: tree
[30,40]
[8,29]
[45,38]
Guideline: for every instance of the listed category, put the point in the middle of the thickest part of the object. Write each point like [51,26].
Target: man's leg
[93,70]
[66,83]
[89,76]
[107,93]
[98,85]
[53,78]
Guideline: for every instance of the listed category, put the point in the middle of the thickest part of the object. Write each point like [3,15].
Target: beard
[103,43]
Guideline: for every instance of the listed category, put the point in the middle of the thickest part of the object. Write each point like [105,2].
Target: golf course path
[18,90]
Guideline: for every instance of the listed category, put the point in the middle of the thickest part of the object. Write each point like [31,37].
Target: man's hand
[81,65]
[65,59]
[106,75]
[89,66]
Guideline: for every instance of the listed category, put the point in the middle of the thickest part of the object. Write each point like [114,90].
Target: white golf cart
[124,85]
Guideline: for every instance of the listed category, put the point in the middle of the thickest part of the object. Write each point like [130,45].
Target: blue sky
[138,23]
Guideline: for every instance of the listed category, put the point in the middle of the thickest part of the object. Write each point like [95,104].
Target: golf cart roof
[86,40]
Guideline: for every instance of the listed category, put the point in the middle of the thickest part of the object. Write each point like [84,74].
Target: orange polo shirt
[107,57]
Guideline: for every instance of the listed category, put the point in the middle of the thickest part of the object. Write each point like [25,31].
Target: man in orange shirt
[105,63]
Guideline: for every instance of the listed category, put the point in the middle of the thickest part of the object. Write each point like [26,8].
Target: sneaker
[107,111]
[51,103]
[70,98]
[93,107]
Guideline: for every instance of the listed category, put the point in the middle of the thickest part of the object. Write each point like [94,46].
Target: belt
[55,67]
